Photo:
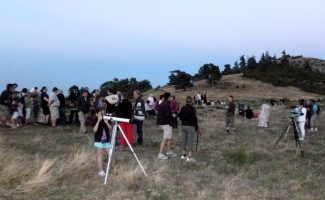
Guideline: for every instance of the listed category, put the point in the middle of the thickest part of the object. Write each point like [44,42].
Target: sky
[65,42]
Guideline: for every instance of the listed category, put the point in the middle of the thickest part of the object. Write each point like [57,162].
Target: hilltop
[315,63]
[240,87]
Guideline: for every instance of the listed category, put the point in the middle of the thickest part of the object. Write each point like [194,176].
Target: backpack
[318,109]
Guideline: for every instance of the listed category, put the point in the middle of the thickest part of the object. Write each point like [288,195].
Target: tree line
[269,69]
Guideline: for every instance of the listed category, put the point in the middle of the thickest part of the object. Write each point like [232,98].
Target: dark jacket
[5,98]
[249,113]
[99,133]
[83,104]
[231,109]
[188,116]
[61,99]
[124,109]
[164,114]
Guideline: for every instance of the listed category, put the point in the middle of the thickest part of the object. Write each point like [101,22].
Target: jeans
[73,114]
[140,132]
[83,118]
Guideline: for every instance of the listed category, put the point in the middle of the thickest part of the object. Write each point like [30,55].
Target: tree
[242,63]
[180,79]
[227,69]
[251,63]
[125,85]
[208,71]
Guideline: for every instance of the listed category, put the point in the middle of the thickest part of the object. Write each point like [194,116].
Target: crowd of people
[26,107]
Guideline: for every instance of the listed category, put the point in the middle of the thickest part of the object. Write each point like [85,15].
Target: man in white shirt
[302,119]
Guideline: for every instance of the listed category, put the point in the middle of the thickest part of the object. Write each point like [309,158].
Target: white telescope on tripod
[116,121]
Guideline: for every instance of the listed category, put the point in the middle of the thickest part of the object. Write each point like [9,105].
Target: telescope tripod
[296,133]
[111,151]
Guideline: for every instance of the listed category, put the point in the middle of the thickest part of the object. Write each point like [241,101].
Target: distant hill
[315,63]
[240,87]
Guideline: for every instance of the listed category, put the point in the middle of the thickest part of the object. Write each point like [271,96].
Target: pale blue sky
[65,42]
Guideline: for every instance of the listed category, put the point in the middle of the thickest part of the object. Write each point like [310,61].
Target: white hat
[112,99]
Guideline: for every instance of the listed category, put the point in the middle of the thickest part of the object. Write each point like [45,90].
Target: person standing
[5,104]
[164,120]
[111,102]
[28,108]
[62,114]
[302,119]
[102,138]
[45,105]
[263,118]
[230,114]
[54,103]
[189,128]
[174,106]
[73,97]
[313,119]
[309,108]
[124,110]
[139,111]
[83,107]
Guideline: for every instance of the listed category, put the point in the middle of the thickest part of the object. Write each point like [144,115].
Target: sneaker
[183,157]
[171,154]
[101,173]
[311,130]
[162,157]
[301,139]
[316,130]
[189,159]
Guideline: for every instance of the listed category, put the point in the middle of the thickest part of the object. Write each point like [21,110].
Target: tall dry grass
[234,166]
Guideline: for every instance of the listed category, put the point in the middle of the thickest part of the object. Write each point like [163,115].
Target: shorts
[168,131]
[15,115]
[101,145]
[28,113]
[4,111]
[54,112]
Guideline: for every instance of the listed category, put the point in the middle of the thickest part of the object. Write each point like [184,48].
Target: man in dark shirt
[83,108]
[62,115]
[189,128]
[230,114]
[5,101]
[73,97]
[164,120]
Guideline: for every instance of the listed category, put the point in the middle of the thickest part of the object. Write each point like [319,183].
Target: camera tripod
[116,126]
[296,133]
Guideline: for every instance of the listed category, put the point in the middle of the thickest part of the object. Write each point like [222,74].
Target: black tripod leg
[283,133]
[300,148]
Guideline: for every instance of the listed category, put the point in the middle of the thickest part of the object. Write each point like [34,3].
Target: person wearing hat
[45,105]
[54,106]
[83,107]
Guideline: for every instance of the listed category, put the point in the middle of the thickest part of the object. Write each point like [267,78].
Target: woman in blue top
[102,138]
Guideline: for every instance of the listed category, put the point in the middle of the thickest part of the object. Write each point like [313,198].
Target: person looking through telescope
[102,138]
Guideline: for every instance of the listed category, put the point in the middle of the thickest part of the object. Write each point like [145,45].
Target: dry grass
[44,163]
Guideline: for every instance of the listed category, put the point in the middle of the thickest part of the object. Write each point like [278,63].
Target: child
[102,138]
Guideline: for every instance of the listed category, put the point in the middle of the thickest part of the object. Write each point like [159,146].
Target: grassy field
[39,162]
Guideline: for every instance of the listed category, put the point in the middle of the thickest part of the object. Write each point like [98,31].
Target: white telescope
[116,119]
